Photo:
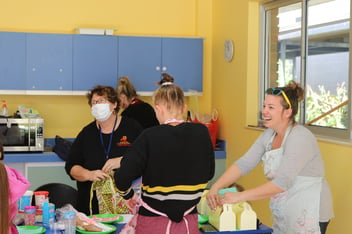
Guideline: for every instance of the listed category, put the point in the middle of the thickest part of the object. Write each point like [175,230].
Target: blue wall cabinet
[94,61]
[49,62]
[143,59]
[183,59]
[140,60]
[12,61]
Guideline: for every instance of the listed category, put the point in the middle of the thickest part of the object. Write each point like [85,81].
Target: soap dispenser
[4,110]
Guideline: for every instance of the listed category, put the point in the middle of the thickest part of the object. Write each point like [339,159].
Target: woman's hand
[112,164]
[97,175]
[231,198]
[213,198]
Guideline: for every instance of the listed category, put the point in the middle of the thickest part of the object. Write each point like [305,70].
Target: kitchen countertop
[49,156]
[32,157]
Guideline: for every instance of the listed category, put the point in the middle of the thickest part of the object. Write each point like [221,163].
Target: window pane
[327,63]
[283,44]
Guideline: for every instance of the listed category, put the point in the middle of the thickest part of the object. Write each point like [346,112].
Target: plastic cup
[29,215]
[40,198]
[25,200]
[70,222]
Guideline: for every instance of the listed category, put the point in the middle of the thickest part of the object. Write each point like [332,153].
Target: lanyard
[107,151]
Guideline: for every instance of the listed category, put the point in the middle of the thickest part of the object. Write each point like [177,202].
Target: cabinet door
[12,61]
[49,61]
[182,58]
[140,60]
[94,61]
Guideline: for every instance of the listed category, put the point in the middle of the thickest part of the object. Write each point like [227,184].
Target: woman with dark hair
[99,146]
[300,198]
[134,107]
[175,160]
[13,186]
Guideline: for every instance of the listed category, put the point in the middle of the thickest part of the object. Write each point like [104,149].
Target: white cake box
[230,217]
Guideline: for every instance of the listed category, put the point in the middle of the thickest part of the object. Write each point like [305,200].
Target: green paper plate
[101,216]
[30,229]
[202,218]
[86,232]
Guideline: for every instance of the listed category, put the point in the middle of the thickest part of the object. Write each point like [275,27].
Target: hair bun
[166,79]
[298,90]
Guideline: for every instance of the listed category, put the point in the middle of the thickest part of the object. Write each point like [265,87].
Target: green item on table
[30,229]
[202,218]
[223,191]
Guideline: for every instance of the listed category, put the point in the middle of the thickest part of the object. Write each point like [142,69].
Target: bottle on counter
[189,118]
[48,214]
[4,111]
[70,222]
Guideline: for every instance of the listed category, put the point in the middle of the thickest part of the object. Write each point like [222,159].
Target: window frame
[333,133]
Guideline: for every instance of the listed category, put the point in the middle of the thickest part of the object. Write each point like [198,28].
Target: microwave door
[13,136]
[24,135]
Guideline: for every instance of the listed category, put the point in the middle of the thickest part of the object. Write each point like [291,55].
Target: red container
[40,198]
[212,125]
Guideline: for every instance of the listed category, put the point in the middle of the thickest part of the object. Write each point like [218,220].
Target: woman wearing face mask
[99,146]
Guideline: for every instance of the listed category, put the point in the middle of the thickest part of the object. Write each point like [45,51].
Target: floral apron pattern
[295,211]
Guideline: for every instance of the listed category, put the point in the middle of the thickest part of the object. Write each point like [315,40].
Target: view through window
[308,41]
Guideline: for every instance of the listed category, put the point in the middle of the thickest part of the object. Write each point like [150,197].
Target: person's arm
[79,173]
[231,175]
[132,164]
[263,191]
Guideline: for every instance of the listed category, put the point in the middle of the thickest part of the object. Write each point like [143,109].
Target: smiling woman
[302,45]
[289,153]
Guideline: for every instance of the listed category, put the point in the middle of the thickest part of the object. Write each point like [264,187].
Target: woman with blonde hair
[175,160]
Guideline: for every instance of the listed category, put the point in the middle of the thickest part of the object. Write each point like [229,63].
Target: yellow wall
[237,82]
[232,88]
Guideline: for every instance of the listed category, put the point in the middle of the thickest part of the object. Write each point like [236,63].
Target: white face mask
[101,111]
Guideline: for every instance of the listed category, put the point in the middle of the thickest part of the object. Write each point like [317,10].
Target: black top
[175,162]
[142,112]
[88,152]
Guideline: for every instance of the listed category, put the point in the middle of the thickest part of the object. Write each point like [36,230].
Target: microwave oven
[22,134]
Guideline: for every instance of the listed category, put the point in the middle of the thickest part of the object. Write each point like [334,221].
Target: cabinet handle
[157,68]
[61,69]
[34,69]
[164,68]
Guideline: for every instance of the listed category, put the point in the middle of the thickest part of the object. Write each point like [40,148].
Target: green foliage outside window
[318,103]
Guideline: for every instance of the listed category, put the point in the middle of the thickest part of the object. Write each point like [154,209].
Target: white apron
[295,211]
